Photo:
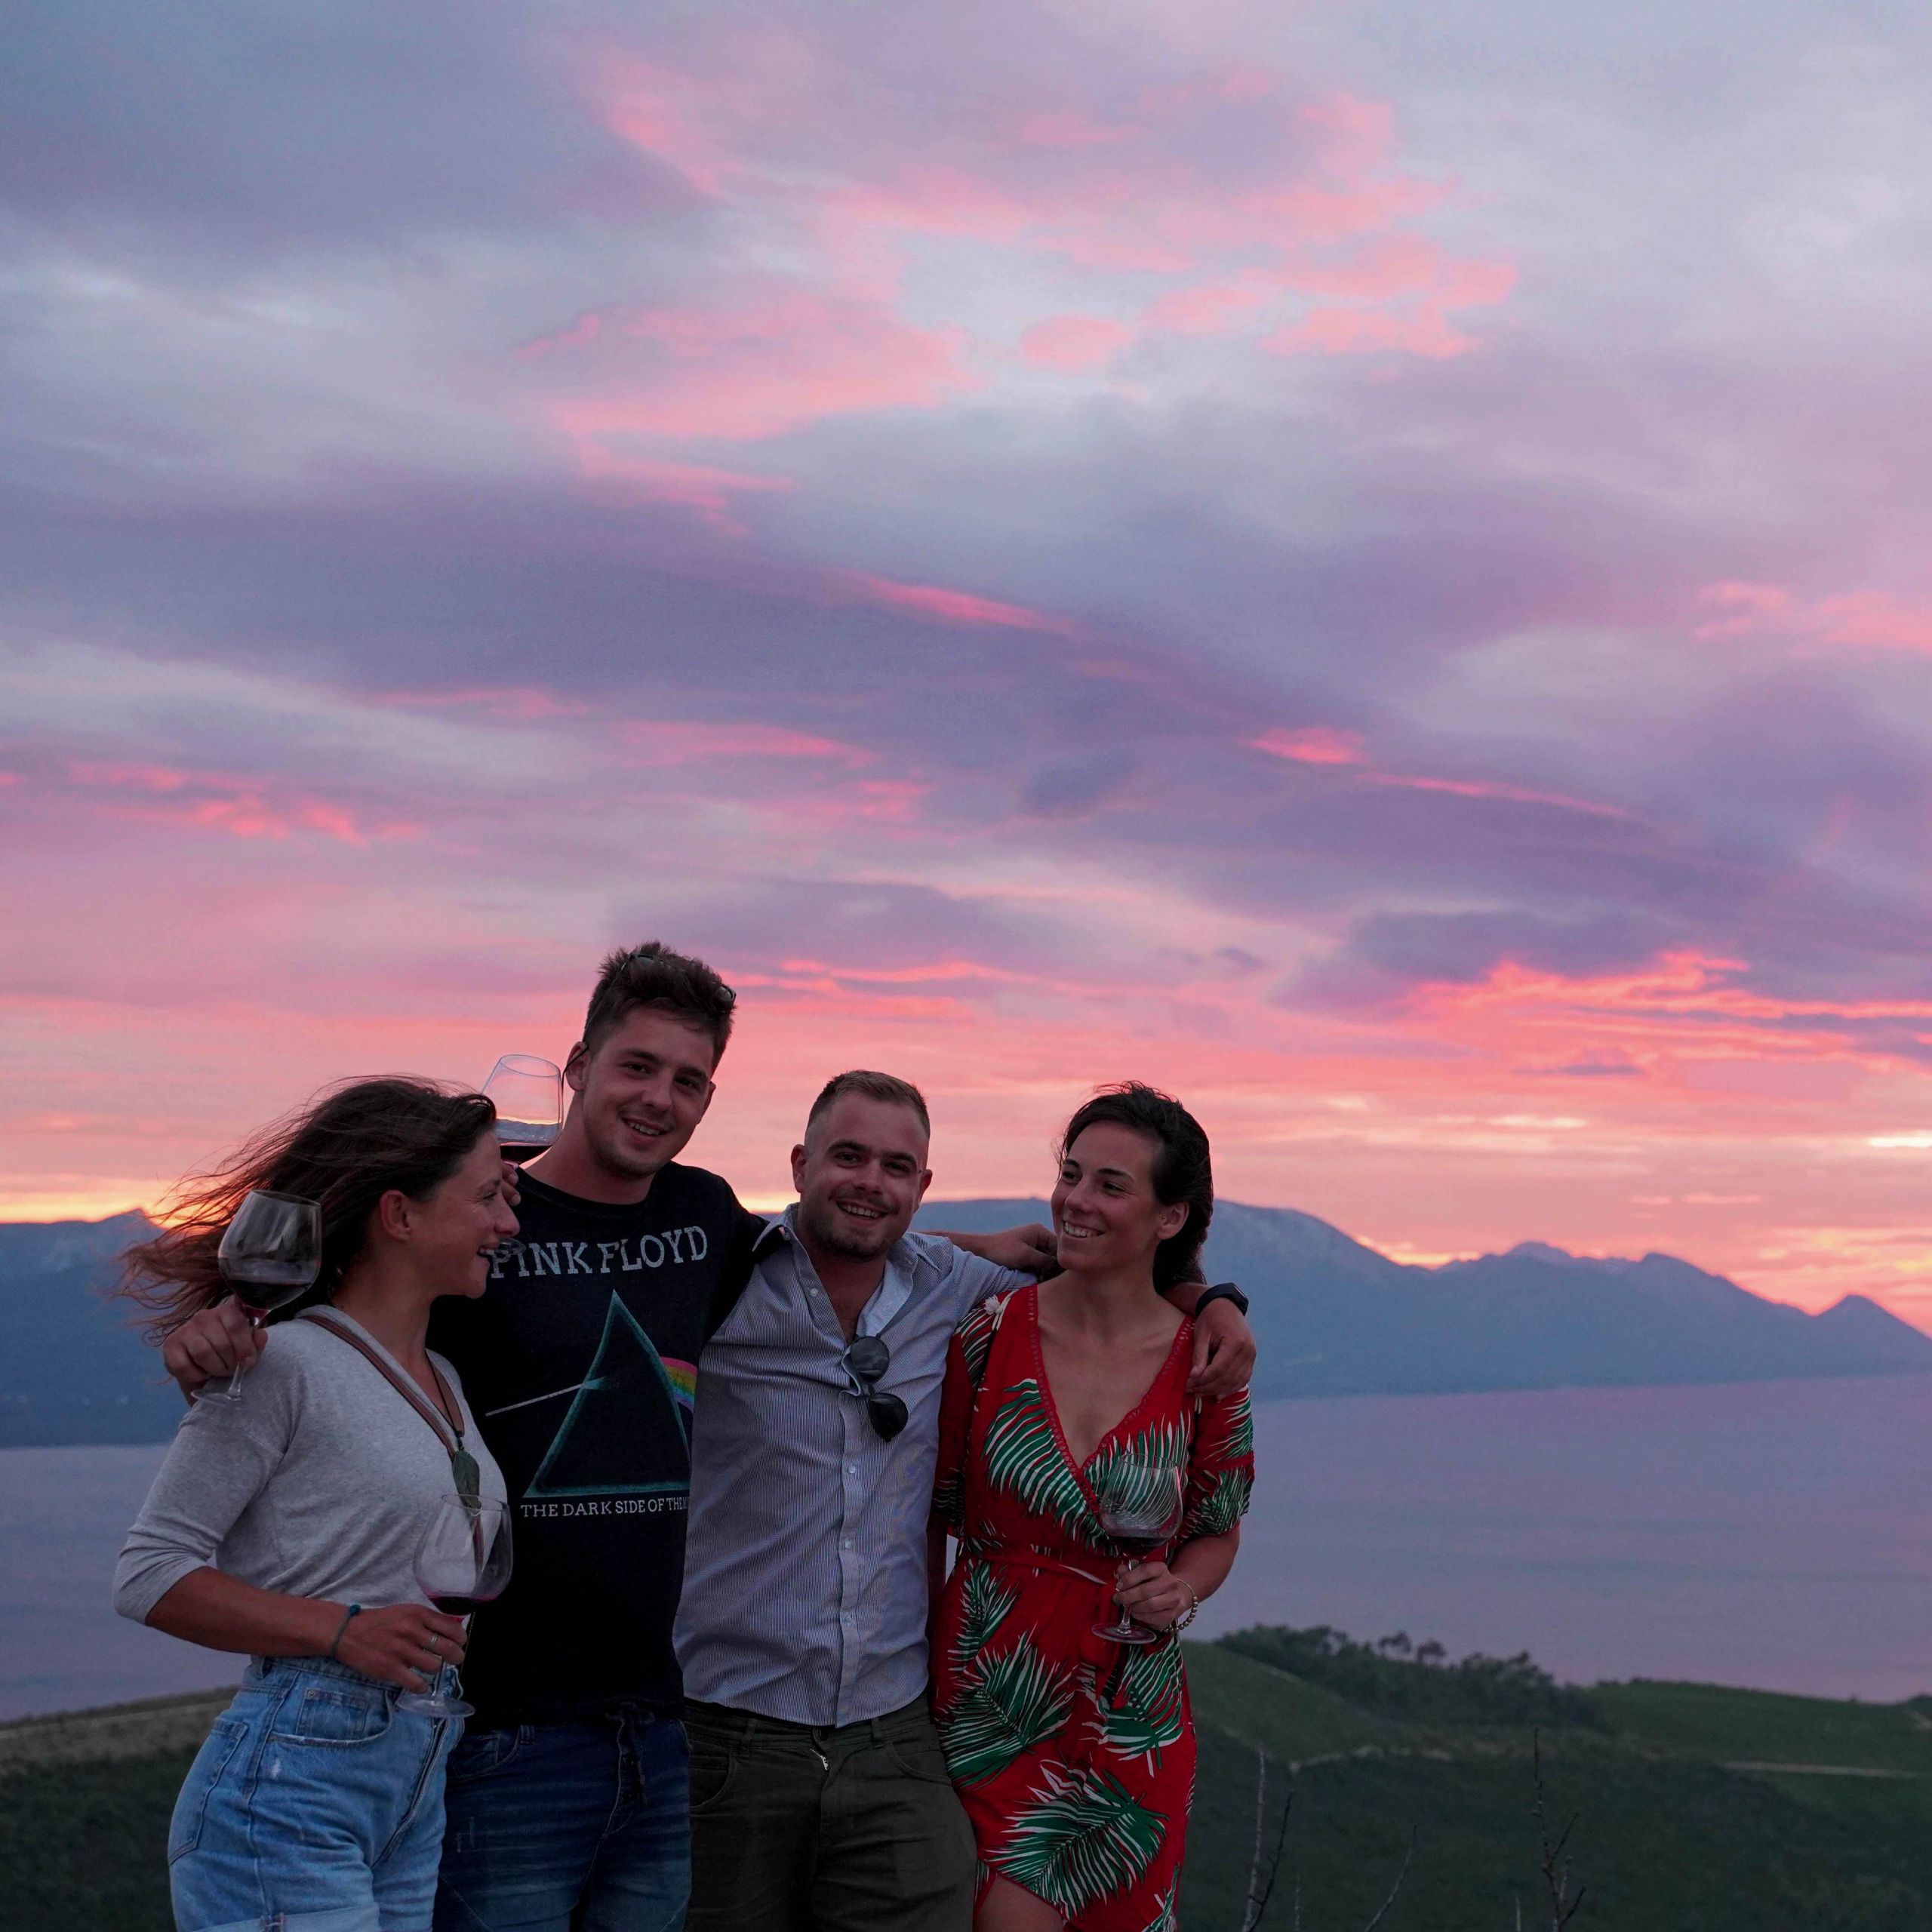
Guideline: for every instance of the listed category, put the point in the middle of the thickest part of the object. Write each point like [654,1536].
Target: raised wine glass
[1141,1507]
[269,1256]
[529,1094]
[463,1561]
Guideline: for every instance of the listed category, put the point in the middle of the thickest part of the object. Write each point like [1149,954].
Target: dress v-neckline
[1052,1406]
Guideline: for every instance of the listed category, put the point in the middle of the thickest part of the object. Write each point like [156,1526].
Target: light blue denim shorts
[315,1806]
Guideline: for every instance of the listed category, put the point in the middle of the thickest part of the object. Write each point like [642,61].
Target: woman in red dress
[1064,1405]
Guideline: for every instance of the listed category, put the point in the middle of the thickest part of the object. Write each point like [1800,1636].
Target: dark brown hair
[344,1151]
[653,975]
[1182,1169]
[887,1086]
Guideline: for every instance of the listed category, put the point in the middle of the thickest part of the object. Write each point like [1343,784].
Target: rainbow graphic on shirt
[682,1376]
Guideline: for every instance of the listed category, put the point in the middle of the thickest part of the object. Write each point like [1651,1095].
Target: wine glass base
[429,1705]
[1114,1634]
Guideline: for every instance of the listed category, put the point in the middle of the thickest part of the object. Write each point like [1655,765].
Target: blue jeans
[315,1806]
[568,1828]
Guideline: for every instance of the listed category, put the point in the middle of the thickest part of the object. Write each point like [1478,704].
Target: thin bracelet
[1187,1616]
[355,1609]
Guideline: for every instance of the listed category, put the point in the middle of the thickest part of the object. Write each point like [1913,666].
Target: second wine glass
[463,1562]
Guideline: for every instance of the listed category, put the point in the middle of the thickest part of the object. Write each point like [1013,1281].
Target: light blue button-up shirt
[804,1592]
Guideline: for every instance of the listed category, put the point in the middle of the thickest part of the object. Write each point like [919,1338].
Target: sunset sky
[1366,563]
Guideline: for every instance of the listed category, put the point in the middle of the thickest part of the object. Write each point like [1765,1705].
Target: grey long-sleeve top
[319,1482]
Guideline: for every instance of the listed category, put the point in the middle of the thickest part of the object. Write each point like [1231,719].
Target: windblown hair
[344,1151]
[887,1086]
[1182,1169]
[653,975]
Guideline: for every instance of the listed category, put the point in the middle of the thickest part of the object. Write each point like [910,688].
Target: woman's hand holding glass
[1152,1594]
[403,1644]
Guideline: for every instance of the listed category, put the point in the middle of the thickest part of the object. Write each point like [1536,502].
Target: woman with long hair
[284,1524]
[1069,1440]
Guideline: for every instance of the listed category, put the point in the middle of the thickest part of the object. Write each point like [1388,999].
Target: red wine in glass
[270,1255]
[463,1561]
[1141,1507]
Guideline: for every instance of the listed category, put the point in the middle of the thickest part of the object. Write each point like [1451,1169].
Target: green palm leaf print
[1019,1700]
[1133,1469]
[983,1604]
[1083,1836]
[1167,1913]
[976,1334]
[1224,1504]
[1146,1716]
[1238,1429]
[1023,1458]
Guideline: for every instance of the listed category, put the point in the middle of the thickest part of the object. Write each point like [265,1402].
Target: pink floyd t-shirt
[579,1360]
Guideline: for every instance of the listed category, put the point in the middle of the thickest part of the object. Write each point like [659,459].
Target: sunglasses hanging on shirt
[865,1362]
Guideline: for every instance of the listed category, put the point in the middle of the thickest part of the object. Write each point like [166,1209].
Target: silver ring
[435,1648]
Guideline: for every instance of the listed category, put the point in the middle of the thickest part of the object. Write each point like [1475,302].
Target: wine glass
[464,1561]
[270,1254]
[1141,1506]
[529,1094]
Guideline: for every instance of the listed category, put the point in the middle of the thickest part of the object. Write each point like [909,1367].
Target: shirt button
[851,1468]
[848,1542]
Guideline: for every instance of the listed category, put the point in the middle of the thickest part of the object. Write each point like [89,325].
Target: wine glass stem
[255,1321]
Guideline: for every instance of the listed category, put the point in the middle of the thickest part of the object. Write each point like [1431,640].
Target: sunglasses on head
[865,1360]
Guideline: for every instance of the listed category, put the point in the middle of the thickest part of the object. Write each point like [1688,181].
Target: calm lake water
[1777,1534]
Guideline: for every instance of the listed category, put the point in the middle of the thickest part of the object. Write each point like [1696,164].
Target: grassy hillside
[1699,1809]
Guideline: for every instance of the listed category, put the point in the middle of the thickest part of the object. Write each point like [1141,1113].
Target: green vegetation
[83,1846]
[1416,1681]
[1671,1835]
[1829,1830]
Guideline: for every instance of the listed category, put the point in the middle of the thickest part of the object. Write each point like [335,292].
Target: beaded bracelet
[354,1611]
[1187,1616]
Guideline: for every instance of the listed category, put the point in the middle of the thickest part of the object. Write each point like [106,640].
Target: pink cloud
[520,704]
[762,369]
[242,807]
[1210,308]
[586,328]
[597,433]
[678,741]
[1317,744]
[951,607]
[1320,744]
[1068,128]
[1873,619]
[1310,203]
[1075,343]
[1480,788]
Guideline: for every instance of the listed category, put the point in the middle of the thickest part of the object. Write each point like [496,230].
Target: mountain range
[1332,1316]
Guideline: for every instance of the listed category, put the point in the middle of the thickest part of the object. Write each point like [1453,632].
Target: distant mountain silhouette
[72,1367]
[1333,1317]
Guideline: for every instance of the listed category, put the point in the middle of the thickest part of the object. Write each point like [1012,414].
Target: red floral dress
[1073,1756]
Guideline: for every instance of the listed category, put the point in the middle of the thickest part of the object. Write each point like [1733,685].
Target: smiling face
[452,1233]
[1107,1215]
[860,1175]
[641,1095]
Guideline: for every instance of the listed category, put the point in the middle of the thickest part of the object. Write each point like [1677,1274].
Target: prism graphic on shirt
[603,1446]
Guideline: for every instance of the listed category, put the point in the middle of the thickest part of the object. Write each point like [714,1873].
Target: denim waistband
[268,1670]
[915,1716]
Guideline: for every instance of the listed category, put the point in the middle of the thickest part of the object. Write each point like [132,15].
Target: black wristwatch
[1221,1291]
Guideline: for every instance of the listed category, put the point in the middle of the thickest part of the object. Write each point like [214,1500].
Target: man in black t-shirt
[567,1798]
